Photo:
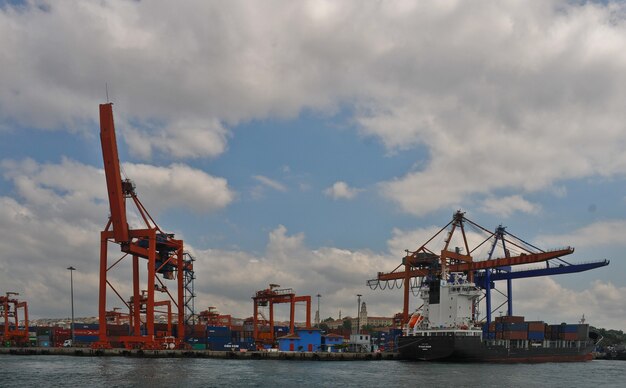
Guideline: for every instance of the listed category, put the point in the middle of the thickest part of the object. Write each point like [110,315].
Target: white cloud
[506,206]
[511,96]
[601,233]
[181,139]
[337,274]
[179,185]
[600,302]
[341,190]
[271,183]
[411,240]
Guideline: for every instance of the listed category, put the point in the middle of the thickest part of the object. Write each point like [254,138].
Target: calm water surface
[67,371]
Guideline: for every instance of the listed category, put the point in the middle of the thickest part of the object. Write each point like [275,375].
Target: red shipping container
[568,336]
[536,326]
[81,332]
[515,335]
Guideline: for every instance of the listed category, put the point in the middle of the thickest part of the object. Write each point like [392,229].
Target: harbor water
[92,372]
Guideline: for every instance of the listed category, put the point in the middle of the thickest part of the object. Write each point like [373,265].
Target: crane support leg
[180,278]
[509,296]
[136,313]
[151,285]
[102,302]
[488,295]
[292,314]
[407,281]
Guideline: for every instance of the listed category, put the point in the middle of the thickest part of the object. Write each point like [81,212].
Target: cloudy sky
[310,143]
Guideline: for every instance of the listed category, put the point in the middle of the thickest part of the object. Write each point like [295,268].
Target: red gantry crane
[269,297]
[10,314]
[211,317]
[164,256]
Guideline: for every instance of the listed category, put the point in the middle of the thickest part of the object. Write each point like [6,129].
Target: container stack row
[515,328]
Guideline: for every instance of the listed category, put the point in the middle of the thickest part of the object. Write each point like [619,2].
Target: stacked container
[43,336]
[515,331]
[59,335]
[217,337]
[86,333]
[573,332]
[536,330]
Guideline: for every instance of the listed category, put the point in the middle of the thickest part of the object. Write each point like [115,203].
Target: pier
[177,353]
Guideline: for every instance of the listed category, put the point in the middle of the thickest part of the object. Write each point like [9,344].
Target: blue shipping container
[85,326]
[536,335]
[86,338]
[515,326]
[220,345]
[569,328]
[218,331]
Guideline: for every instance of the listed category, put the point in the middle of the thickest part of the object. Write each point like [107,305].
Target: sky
[310,143]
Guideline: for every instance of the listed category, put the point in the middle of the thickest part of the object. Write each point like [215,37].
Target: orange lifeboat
[415,320]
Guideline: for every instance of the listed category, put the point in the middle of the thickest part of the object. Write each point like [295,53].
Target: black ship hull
[455,348]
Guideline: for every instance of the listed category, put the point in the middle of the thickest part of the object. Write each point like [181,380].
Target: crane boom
[113,175]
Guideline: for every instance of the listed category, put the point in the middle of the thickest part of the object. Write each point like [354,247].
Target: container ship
[452,286]
[443,330]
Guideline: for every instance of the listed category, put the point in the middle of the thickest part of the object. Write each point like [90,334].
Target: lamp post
[72,269]
[358,314]
[319,317]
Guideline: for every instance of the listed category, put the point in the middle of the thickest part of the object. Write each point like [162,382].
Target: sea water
[69,371]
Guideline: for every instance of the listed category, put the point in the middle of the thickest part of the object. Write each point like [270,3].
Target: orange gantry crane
[211,317]
[268,298]
[164,256]
[10,314]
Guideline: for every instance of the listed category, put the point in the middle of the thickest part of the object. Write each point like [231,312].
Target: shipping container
[515,335]
[43,338]
[569,336]
[536,335]
[218,331]
[86,332]
[569,328]
[85,339]
[512,319]
[42,330]
[514,327]
[118,330]
[86,326]
[218,344]
[536,326]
